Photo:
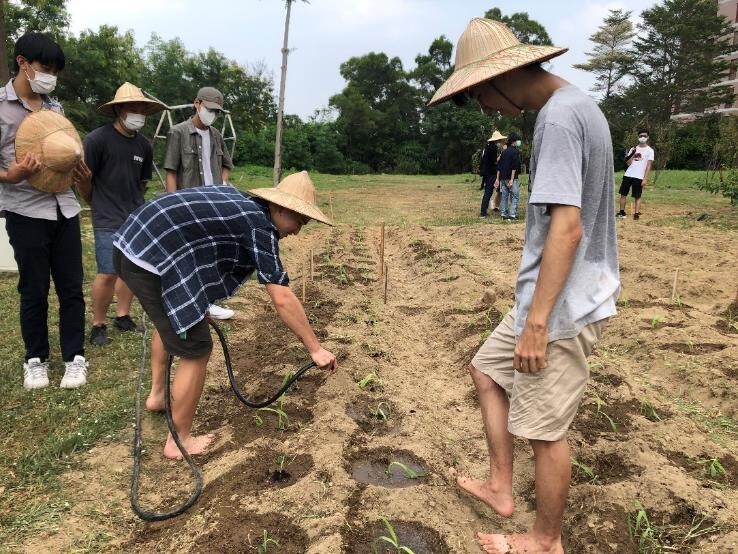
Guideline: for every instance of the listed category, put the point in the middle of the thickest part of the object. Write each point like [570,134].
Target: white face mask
[643,140]
[206,116]
[134,121]
[43,83]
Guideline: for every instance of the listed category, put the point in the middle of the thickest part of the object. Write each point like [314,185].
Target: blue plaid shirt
[204,242]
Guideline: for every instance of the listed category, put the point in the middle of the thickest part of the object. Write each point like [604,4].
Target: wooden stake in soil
[312,265]
[330,204]
[674,286]
[304,283]
[386,279]
[381,253]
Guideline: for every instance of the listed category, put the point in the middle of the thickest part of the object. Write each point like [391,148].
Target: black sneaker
[621,213]
[99,335]
[636,216]
[125,323]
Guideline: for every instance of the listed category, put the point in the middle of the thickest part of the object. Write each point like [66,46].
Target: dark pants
[489,181]
[46,249]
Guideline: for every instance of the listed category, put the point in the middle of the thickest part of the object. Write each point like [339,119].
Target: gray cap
[211,97]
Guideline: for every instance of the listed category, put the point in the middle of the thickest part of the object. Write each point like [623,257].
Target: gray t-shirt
[571,164]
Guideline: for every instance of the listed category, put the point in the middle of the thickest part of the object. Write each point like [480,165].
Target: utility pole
[280,110]
[4,70]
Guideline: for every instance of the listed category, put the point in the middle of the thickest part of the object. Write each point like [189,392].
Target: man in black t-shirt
[120,161]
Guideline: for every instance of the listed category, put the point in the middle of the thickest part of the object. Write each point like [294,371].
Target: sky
[326,33]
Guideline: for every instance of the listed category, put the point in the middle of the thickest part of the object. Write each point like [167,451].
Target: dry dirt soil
[660,406]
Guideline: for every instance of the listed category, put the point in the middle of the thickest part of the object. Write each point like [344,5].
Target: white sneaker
[75,374]
[216,312]
[35,374]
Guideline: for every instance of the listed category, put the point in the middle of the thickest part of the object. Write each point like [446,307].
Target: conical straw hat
[126,94]
[296,192]
[485,50]
[496,136]
[53,138]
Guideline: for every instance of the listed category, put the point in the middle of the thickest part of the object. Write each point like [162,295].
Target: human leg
[488,189]
[515,197]
[505,193]
[159,359]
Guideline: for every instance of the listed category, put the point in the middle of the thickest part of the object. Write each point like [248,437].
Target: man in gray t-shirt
[532,371]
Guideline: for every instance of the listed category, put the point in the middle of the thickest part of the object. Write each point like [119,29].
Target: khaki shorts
[543,404]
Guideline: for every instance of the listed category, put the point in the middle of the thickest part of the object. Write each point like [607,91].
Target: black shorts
[147,288]
[628,182]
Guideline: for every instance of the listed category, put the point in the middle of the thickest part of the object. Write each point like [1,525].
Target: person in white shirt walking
[639,160]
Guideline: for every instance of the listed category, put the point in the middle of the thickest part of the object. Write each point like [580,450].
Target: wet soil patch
[383,467]
[268,469]
[413,535]
[376,416]
[236,531]
[593,528]
[704,468]
[602,469]
[693,349]
[612,419]
[608,379]
[472,398]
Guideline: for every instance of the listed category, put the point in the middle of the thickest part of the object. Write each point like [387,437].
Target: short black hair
[644,130]
[38,47]
[513,137]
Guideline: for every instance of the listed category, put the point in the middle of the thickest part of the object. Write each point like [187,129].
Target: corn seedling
[585,470]
[409,472]
[368,379]
[649,411]
[383,411]
[601,412]
[690,345]
[697,530]
[656,321]
[642,532]
[283,421]
[713,468]
[266,540]
[392,539]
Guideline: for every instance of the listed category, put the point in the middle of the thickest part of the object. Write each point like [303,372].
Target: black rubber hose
[196,472]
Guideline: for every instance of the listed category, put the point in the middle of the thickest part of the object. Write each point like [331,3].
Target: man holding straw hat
[120,161]
[182,251]
[40,159]
[532,371]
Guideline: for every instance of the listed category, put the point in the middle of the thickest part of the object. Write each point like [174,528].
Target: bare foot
[500,501]
[155,402]
[193,445]
[517,544]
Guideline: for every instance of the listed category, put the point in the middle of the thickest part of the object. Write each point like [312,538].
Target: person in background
[120,159]
[43,227]
[639,160]
[488,170]
[196,155]
[508,170]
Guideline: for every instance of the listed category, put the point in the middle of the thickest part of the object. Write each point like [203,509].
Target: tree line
[379,122]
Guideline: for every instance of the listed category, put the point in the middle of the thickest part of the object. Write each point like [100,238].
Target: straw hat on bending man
[532,371]
[182,251]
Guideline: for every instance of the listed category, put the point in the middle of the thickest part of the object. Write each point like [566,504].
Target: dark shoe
[621,213]
[125,323]
[99,335]
[636,216]
[495,209]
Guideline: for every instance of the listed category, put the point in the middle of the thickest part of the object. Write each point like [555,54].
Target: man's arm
[225,173]
[82,180]
[564,235]
[20,170]
[649,163]
[290,310]
[171,180]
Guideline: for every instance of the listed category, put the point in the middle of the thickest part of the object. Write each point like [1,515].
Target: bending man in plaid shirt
[182,251]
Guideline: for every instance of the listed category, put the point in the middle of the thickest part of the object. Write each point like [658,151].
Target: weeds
[266,540]
[714,470]
[649,411]
[600,412]
[392,539]
[586,471]
[407,471]
[656,539]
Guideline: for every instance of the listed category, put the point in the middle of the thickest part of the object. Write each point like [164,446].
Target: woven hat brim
[291,202]
[48,180]
[152,106]
[472,74]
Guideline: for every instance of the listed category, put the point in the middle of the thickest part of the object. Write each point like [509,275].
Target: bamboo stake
[330,204]
[304,282]
[381,253]
[674,286]
[386,279]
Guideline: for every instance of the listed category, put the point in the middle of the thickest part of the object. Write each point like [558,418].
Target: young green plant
[266,540]
[391,540]
[382,411]
[585,470]
[370,379]
[407,471]
[600,412]
[649,410]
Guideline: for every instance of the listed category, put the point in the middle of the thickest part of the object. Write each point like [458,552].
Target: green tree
[432,69]
[165,63]
[611,58]
[528,31]
[677,59]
